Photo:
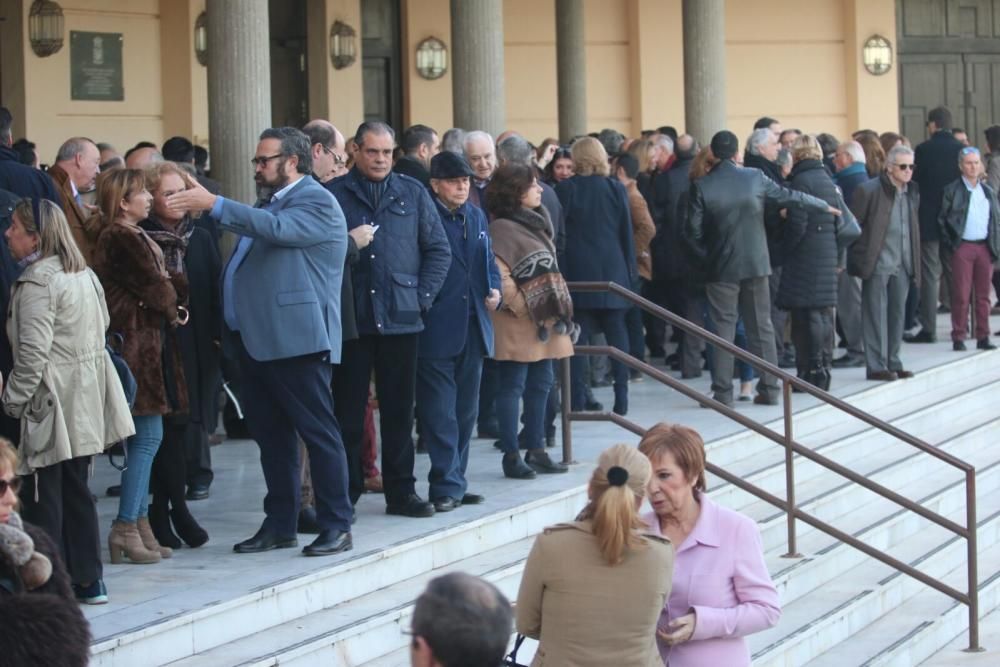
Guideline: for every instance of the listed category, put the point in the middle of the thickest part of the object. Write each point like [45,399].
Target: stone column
[239,92]
[704,23]
[477,55]
[571,68]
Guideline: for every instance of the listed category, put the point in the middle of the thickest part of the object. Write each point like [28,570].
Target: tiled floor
[193,578]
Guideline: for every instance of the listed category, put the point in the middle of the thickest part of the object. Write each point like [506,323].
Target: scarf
[34,568]
[172,243]
[523,240]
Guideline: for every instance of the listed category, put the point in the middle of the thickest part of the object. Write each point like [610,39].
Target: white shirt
[977,220]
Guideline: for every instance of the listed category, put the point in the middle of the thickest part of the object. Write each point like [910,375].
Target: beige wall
[51,116]
[185,80]
[334,94]
[427,102]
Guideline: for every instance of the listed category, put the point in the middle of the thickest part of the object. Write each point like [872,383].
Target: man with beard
[281,307]
[420,144]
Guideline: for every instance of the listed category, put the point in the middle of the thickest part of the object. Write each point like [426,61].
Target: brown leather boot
[124,540]
[149,540]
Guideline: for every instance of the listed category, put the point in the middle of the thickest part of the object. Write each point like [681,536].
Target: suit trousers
[488,386]
[971,270]
[394,360]
[693,348]
[849,312]
[779,317]
[199,455]
[283,400]
[749,299]
[65,510]
[612,322]
[447,403]
[883,305]
[812,334]
[930,277]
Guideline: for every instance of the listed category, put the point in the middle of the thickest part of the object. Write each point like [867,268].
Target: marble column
[571,68]
[704,23]
[478,74]
[239,92]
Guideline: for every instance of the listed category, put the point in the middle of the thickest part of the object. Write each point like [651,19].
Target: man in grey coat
[281,306]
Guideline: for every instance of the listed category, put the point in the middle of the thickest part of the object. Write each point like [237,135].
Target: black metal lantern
[201,38]
[45,27]
[343,45]
[876,55]
[432,58]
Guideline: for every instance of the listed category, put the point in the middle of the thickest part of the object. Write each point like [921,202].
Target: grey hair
[784,157]
[854,151]
[73,147]
[514,150]
[896,152]
[454,140]
[293,142]
[968,150]
[477,135]
[54,236]
[757,138]
[664,141]
[372,127]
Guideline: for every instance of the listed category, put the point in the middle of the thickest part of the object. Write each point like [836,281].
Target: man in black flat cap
[457,335]
[725,228]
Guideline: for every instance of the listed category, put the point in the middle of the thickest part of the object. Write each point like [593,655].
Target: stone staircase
[840,607]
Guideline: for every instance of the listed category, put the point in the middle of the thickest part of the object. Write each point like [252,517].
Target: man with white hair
[481,154]
[849,161]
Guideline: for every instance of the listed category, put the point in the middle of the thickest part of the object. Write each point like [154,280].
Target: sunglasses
[14,485]
[904,167]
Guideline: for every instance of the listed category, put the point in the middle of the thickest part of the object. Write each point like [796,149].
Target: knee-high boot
[176,480]
[159,508]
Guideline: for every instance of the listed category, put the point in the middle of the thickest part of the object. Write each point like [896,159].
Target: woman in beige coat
[592,590]
[63,387]
[534,322]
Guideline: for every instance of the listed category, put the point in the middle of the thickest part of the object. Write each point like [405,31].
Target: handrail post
[786,400]
[972,543]
[566,401]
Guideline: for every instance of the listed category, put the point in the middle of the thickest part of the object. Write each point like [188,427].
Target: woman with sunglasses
[145,307]
[41,622]
[63,387]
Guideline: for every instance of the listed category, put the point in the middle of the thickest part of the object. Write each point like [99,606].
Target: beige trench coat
[63,388]
[584,611]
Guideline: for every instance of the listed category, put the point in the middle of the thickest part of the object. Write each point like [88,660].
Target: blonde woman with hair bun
[592,589]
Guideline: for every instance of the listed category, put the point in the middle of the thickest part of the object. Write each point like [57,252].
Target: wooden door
[381,75]
[289,76]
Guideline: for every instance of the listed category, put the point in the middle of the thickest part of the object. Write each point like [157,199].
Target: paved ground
[141,595]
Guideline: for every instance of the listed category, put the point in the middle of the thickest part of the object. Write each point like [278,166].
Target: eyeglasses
[904,167]
[338,159]
[13,484]
[262,161]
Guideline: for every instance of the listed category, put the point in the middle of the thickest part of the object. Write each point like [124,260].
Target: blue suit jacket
[287,289]
[473,272]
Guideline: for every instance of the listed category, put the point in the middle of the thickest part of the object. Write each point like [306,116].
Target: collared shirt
[76,193]
[977,219]
[239,254]
[896,250]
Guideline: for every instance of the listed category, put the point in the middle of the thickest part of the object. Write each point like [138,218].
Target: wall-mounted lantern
[343,45]
[432,58]
[201,38]
[45,27]
[877,55]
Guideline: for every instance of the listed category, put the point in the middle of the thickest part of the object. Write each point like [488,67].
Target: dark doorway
[382,79]
[949,54]
[289,77]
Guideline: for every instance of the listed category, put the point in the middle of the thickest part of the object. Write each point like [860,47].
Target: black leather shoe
[882,376]
[593,406]
[958,346]
[919,337]
[761,399]
[329,542]
[307,521]
[515,468]
[265,540]
[488,431]
[473,499]
[197,492]
[985,344]
[540,462]
[903,374]
[114,491]
[446,504]
[849,361]
[412,506]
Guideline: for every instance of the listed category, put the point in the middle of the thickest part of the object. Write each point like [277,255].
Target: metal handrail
[788,505]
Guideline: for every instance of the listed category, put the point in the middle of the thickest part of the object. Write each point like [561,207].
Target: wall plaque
[96,66]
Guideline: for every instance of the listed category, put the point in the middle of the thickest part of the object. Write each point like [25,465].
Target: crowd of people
[435,269]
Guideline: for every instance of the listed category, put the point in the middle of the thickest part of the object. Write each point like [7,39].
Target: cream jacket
[63,388]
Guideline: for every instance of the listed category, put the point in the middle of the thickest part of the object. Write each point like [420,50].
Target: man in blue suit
[281,306]
[457,335]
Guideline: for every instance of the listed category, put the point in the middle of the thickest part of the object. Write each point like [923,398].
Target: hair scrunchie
[617,476]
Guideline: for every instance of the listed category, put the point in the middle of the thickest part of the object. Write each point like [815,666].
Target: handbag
[846,225]
[511,659]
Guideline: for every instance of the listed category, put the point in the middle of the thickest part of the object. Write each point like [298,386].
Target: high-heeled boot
[159,521]
[175,479]
[149,540]
[621,399]
[124,542]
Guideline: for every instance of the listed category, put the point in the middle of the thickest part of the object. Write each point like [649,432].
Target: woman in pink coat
[721,591]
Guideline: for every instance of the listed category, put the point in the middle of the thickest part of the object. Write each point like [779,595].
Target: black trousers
[66,511]
[394,360]
[489,386]
[812,335]
[612,322]
[198,455]
[283,400]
